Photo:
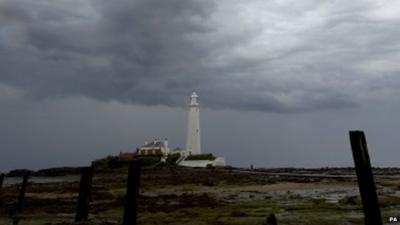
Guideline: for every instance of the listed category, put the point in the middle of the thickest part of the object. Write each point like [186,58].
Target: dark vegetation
[172,158]
[201,157]
[115,162]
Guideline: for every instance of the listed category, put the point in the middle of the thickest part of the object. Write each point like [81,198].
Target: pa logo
[392,219]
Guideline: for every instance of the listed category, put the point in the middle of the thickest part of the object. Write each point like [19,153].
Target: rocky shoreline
[223,196]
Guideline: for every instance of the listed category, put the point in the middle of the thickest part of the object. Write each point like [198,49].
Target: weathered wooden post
[132,194]
[1,180]
[21,195]
[82,210]
[369,198]
[271,220]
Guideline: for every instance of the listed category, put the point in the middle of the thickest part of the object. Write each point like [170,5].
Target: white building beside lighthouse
[193,145]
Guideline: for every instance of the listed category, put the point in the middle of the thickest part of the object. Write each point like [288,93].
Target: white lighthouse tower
[193,132]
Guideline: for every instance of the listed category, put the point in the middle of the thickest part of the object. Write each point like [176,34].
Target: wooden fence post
[132,193]
[82,210]
[365,178]
[271,220]
[1,180]
[21,195]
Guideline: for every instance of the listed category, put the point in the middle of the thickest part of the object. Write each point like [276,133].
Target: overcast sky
[280,82]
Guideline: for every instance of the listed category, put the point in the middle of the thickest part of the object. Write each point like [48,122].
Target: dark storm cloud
[249,56]
[81,79]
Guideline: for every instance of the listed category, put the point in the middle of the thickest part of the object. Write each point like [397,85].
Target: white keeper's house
[154,148]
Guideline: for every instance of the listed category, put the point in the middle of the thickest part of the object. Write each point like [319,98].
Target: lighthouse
[193,131]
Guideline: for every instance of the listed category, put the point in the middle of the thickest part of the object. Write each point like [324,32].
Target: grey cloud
[156,52]
[80,79]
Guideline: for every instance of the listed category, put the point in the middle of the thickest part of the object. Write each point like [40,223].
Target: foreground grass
[198,197]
